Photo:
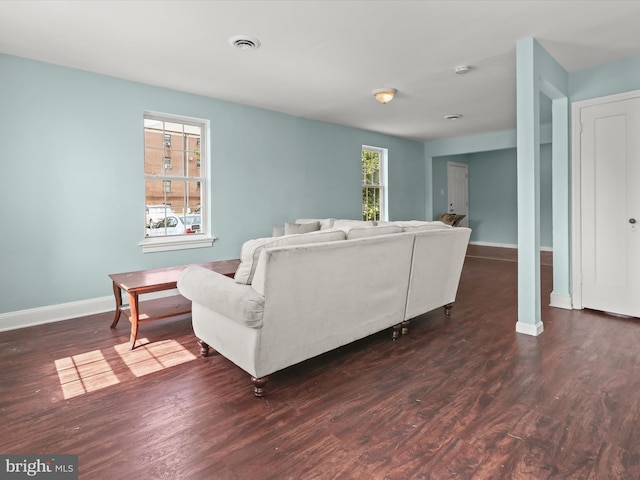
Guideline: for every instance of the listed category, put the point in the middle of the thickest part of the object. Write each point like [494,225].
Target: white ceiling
[322,59]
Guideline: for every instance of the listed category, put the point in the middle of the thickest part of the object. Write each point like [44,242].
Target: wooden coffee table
[159,279]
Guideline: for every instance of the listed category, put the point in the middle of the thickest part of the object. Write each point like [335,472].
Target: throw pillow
[294,228]
[324,222]
[447,218]
[277,230]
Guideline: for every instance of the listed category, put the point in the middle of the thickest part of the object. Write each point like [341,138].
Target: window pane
[193,163]
[177,194]
[169,162]
[154,193]
[174,188]
[371,203]
[166,192]
[192,154]
[151,124]
[153,161]
[156,214]
[174,131]
[173,128]
[193,197]
[173,163]
[365,210]
[370,168]
[372,183]
[193,130]
[153,138]
[375,168]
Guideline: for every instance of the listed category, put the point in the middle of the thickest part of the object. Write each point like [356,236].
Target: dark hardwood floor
[463,398]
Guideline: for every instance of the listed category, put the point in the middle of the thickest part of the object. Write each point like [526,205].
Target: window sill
[178,242]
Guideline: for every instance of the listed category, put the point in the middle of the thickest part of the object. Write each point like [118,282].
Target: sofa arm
[221,294]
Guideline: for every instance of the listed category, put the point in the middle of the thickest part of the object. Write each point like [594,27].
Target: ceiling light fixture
[453,116]
[462,69]
[245,42]
[385,95]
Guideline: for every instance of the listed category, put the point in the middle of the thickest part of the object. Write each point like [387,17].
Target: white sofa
[300,295]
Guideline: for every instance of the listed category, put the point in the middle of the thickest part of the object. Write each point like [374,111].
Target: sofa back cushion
[361,232]
[251,249]
[324,222]
[307,227]
[346,225]
[427,226]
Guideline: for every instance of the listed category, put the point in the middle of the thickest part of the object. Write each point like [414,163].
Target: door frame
[576,186]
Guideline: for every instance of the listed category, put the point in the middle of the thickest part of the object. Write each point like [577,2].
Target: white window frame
[384,154]
[195,240]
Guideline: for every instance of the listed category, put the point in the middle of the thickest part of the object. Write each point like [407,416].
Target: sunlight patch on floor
[148,357]
[91,371]
[84,373]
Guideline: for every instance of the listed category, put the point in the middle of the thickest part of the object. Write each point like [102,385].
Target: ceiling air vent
[245,42]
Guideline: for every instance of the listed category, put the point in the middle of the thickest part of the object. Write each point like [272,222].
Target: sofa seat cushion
[251,249]
[361,232]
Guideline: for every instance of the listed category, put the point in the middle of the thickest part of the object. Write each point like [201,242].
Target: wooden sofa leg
[405,327]
[396,331]
[259,386]
[204,348]
[447,309]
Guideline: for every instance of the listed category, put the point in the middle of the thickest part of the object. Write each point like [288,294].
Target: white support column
[561,294]
[528,142]
[428,183]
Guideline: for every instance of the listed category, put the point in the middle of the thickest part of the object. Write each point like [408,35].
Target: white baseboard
[560,301]
[65,311]
[530,329]
[491,244]
[505,245]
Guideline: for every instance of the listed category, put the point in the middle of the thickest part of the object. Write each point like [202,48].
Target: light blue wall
[72,171]
[453,147]
[607,79]
[493,211]
[71,174]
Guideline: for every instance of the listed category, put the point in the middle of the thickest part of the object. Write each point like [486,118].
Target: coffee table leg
[133,306]
[118,294]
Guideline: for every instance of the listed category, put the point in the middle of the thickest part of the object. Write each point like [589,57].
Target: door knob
[632,221]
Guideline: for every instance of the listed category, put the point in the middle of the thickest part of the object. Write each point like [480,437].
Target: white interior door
[610,206]
[458,190]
